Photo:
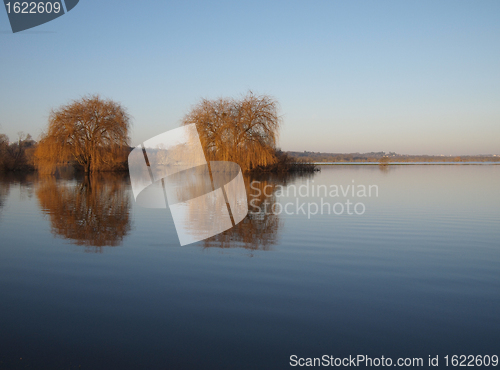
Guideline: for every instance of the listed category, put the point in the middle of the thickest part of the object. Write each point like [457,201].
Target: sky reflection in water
[416,275]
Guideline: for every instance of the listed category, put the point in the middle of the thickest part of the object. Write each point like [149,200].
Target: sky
[412,77]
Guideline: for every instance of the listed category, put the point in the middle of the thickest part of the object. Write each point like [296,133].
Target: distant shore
[401,163]
[389,158]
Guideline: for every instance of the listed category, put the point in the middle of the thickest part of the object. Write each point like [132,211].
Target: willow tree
[244,131]
[90,132]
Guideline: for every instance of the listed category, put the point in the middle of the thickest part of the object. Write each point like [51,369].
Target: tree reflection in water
[260,228]
[25,182]
[4,193]
[95,211]
[92,212]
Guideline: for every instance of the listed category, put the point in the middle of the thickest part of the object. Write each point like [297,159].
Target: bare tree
[243,131]
[18,155]
[91,132]
[4,144]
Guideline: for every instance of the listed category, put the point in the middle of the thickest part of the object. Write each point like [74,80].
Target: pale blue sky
[351,76]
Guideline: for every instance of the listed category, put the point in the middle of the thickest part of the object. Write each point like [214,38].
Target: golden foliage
[91,132]
[243,131]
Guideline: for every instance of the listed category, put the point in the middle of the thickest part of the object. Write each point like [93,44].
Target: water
[89,280]
[411,163]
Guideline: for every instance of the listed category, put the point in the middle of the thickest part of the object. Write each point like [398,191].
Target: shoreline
[403,163]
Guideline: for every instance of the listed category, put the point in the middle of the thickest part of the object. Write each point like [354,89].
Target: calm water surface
[89,280]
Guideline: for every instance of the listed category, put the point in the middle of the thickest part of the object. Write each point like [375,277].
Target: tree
[4,143]
[17,156]
[90,132]
[243,131]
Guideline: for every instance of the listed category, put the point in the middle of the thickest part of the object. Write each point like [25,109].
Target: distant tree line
[17,155]
[382,157]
